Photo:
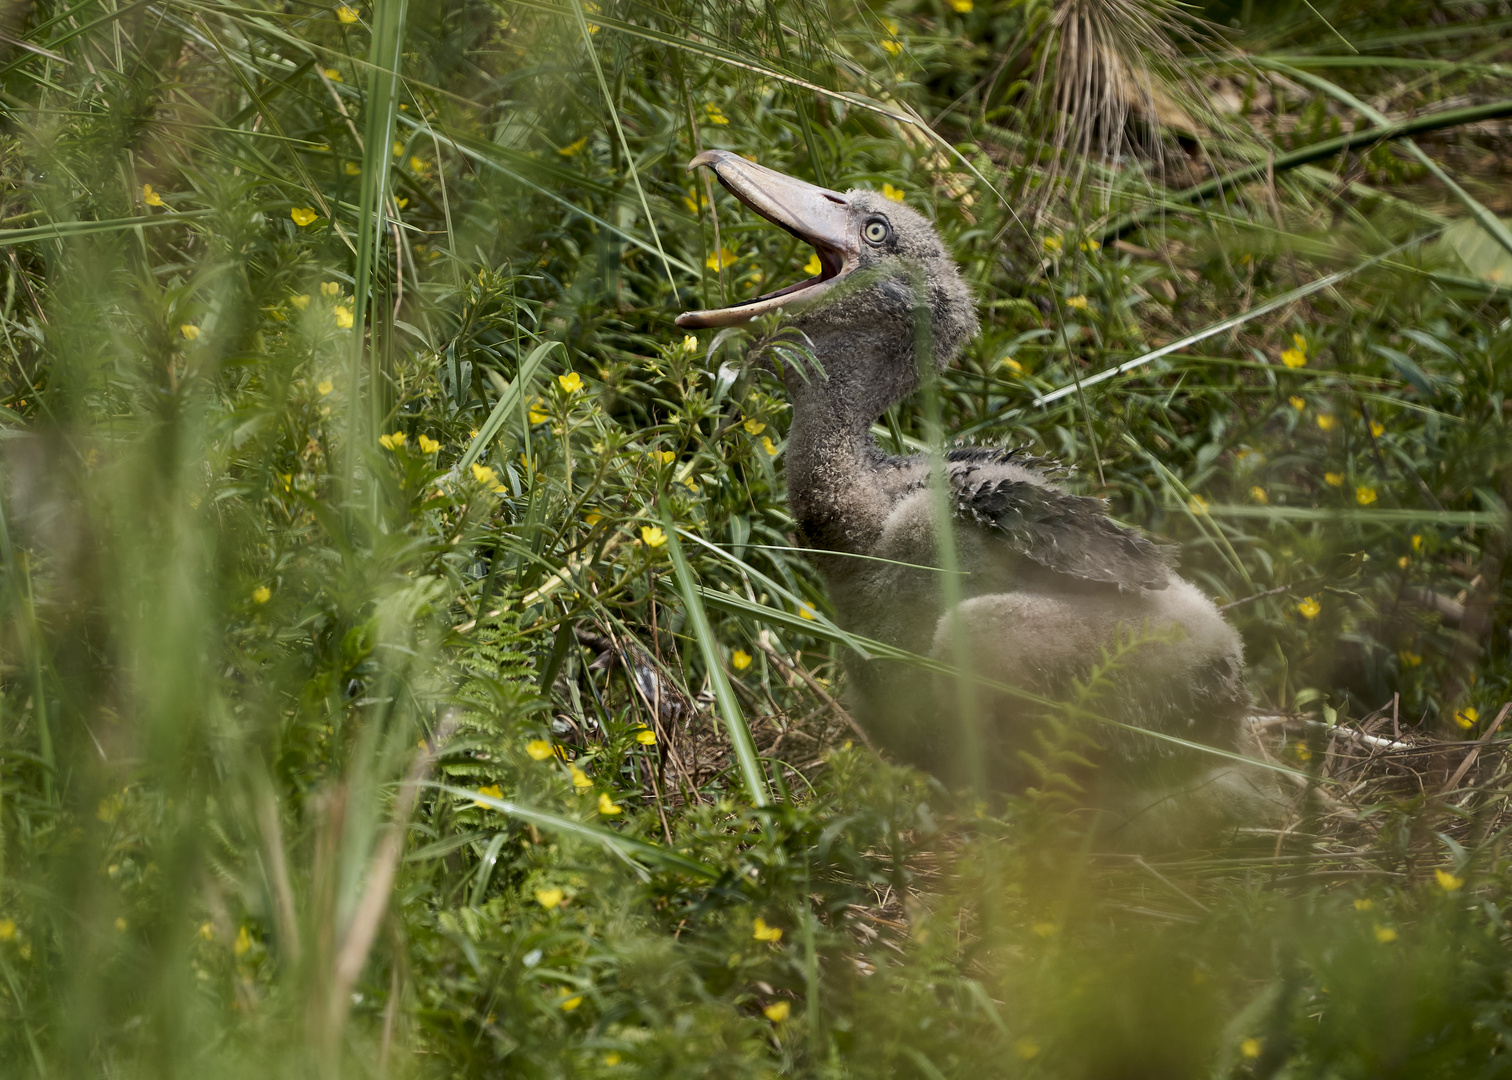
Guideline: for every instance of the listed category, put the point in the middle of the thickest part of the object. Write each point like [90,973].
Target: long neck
[834,469]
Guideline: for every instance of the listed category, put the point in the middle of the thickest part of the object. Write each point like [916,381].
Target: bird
[979,557]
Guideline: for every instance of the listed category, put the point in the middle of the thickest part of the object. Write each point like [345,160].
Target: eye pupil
[876,232]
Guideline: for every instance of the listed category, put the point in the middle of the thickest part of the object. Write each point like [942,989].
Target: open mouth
[817,216]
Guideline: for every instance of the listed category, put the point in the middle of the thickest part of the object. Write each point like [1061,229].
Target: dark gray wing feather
[1070,534]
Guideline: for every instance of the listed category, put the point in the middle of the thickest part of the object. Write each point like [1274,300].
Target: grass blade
[619,130]
[625,847]
[729,709]
[1318,151]
[508,402]
[1219,327]
[1483,217]
[381,106]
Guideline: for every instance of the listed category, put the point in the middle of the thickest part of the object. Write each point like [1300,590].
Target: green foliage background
[343,421]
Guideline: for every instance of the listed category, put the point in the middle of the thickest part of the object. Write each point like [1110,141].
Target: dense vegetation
[399,617]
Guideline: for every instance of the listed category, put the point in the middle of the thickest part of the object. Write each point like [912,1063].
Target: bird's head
[885,284]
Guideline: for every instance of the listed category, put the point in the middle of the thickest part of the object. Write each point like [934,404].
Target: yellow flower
[109,808]
[1309,608]
[243,943]
[714,115]
[1377,429]
[1257,493]
[1364,903]
[720,259]
[347,14]
[813,266]
[1299,343]
[353,169]
[1293,358]
[1365,495]
[492,791]
[611,1058]
[7,929]
[645,736]
[777,1011]
[768,446]
[333,75]
[303,215]
[392,442]
[1198,505]
[330,288]
[1327,422]
[1417,541]
[592,518]
[1333,479]
[892,193]
[1078,303]
[579,778]
[1467,717]
[571,1003]
[537,412]
[190,331]
[891,42]
[805,612]
[121,924]
[401,203]
[690,344]
[262,594]
[1250,1048]
[1026,1048]
[961,7]
[1012,365]
[652,536]
[302,301]
[762,932]
[539,749]
[485,475]
[664,457]
[1447,881]
[1297,403]
[417,164]
[548,898]
[753,426]
[571,382]
[694,201]
[567,151]
[343,316]
[740,659]
[428,445]
[207,931]
[1385,934]
[1052,244]
[150,197]
[1090,245]
[1410,658]
[608,806]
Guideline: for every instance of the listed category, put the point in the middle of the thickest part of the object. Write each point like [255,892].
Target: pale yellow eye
[875,232]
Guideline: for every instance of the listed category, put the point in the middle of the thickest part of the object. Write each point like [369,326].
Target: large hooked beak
[815,215]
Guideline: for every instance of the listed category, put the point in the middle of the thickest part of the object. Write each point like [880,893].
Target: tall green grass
[405,664]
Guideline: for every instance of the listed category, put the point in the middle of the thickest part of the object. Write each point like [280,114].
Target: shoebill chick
[1047,583]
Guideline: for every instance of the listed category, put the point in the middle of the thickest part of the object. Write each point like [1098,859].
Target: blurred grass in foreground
[352,468]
